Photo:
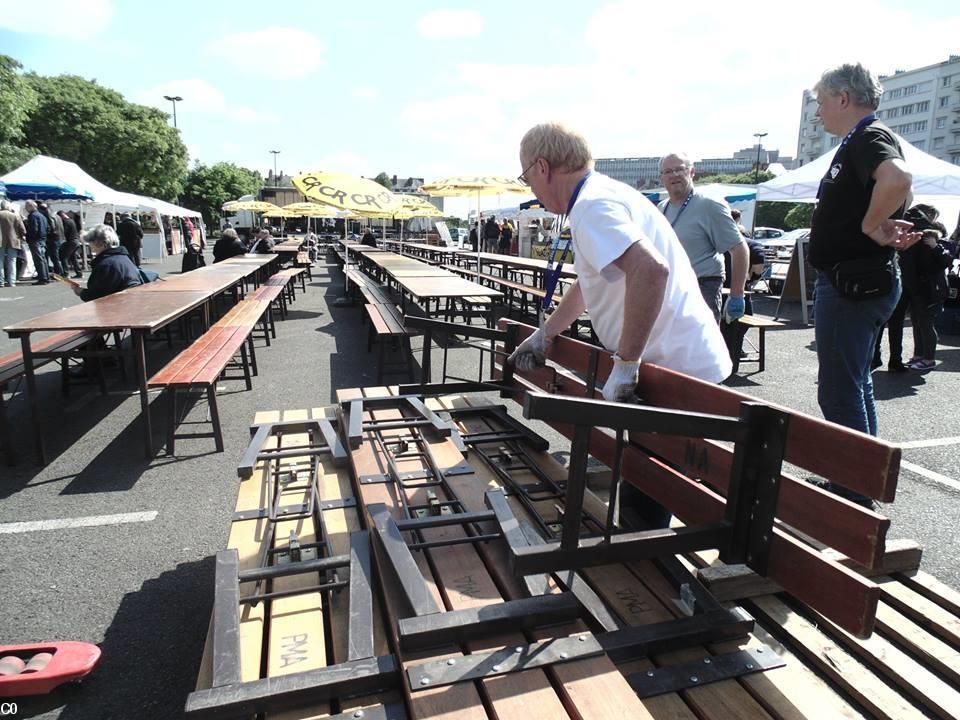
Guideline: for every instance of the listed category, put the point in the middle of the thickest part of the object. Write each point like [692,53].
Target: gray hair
[4,205]
[103,235]
[864,88]
[681,156]
[230,233]
[564,148]
[30,206]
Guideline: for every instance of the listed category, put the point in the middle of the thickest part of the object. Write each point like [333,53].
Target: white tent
[934,182]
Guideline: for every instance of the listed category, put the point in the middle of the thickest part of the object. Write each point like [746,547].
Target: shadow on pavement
[141,672]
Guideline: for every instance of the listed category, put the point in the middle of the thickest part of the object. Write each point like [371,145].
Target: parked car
[766,233]
[777,253]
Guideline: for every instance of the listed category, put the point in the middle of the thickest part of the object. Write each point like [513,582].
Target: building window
[896,93]
[924,106]
[920,126]
[893,112]
[910,90]
[937,143]
[920,144]
[946,81]
[803,132]
[941,122]
[834,141]
[945,101]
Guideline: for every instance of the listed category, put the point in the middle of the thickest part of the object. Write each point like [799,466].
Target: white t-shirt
[607,218]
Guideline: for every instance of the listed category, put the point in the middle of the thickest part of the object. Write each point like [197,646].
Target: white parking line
[932,442]
[77,522]
[930,474]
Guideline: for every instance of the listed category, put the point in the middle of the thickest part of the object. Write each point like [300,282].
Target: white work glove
[531,353]
[621,384]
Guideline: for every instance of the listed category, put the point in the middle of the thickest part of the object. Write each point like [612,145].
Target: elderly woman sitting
[112,270]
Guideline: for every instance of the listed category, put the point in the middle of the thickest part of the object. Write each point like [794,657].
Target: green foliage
[126,146]
[17,101]
[384,180]
[799,216]
[771,214]
[207,188]
[746,178]
[13,156]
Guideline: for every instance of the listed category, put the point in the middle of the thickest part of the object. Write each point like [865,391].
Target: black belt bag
[863,278]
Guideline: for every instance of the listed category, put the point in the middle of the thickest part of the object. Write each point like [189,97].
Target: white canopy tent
[935,182]
[66,186]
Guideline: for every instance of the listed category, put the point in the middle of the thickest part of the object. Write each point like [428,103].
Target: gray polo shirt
[706,231]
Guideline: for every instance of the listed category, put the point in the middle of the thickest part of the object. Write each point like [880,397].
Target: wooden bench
[303,260]
[762,324]
[288,278]
[58,346]
[276,297]
[202,364]
[386,325]
[529,297]
[690,476]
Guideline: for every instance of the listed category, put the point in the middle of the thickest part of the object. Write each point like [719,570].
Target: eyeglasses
[675,171]
[522,177]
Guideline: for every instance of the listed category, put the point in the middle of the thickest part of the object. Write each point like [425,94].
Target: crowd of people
[230,245]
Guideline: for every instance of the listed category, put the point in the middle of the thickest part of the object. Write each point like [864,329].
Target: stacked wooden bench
[385,321]
[302,260]
[58,346]
[201,365]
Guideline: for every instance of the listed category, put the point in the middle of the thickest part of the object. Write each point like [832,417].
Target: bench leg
[65,376]
[172,421]
[382,343]
[405,346]
[369,337]
[763,349]
[215,416]
[246,366]
[9,455]
[253,353]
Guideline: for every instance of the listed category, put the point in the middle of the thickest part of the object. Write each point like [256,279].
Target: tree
[207,188]
[17,101]
[127,146]
[799,216]
[384,180]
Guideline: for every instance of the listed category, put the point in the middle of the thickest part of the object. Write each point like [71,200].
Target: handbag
[863,278]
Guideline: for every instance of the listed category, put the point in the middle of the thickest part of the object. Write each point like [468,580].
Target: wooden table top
[422,287]
[286,247]
[249,258]
[123,310]
[430,248]
[521,262]
[423,271]
[213,283]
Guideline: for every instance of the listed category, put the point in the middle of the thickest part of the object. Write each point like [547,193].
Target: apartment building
[644,172]
[921,105]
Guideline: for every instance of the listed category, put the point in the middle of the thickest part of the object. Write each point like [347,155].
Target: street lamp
[276,182]
[756,170]
[174,99]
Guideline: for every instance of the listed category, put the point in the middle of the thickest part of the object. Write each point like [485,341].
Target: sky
[429,89]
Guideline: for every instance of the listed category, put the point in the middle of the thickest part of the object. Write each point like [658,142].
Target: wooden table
[150,312]
[428,288]
[537,266]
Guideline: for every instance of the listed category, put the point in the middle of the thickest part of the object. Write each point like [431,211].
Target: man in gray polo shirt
[706,231]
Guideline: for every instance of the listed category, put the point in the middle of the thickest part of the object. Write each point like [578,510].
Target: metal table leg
[139,352]
[32,399]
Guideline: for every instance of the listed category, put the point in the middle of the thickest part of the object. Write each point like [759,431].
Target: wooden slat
[379,324]
[201,349]
[208,374]
[880,700]
[922,610]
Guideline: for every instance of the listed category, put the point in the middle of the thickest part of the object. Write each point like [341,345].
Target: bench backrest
[677,471]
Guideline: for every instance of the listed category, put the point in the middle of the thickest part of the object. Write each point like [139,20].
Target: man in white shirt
[634,277]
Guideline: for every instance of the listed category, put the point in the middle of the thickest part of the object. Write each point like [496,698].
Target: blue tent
[45,178]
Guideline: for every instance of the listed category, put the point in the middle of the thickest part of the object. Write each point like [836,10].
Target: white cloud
[365,93]
[199,96]
[300,51]
[450,24]
[59,18]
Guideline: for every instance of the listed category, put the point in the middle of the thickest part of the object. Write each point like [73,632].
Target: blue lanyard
[863,123]
[553,273]
[680,211]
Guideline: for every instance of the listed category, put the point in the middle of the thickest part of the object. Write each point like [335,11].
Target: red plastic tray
[70,661]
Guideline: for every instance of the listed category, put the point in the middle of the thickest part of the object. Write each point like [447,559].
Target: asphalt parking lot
[142,588]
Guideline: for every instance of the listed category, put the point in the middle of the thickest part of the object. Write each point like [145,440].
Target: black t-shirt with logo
[845,192]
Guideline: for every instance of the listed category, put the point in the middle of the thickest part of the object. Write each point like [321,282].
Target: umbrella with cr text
[347,192]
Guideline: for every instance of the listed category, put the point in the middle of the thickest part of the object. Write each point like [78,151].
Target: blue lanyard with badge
[862,124]
[552,273]
[673,223]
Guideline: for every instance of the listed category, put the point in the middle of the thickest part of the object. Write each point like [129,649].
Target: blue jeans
[39,252]
[8,268]
[846,332]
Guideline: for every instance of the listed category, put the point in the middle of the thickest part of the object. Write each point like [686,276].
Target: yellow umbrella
[475,185]
[347,192]
[251,205]
[309,209]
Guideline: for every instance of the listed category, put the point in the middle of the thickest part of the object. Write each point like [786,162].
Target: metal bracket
[673,678]
[316,428]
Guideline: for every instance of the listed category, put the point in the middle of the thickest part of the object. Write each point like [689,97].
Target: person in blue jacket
[112,270]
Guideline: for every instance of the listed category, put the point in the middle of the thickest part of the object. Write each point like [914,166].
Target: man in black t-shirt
[861,201]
